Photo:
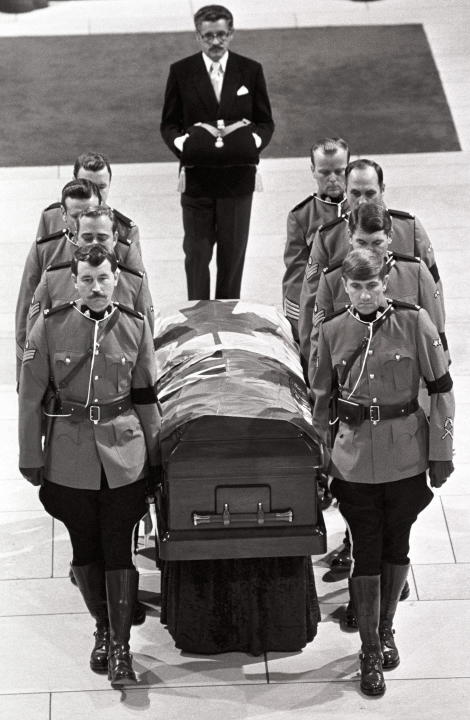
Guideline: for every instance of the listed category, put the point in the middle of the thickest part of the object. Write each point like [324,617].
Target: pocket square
[242,90]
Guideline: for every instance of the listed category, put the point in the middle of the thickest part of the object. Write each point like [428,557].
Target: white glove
[179,141]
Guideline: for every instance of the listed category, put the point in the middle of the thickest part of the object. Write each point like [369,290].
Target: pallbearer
[98,358]
[372,355]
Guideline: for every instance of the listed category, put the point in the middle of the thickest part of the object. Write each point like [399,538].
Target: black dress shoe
[342,559]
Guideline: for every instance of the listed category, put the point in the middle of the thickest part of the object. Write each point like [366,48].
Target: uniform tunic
[408,280]
[302,223]
[331,245]
[121,365]
[405,348]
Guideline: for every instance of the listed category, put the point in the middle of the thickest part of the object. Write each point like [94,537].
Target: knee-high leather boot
[365,595]
[121,588]
[90,582]
[392,581]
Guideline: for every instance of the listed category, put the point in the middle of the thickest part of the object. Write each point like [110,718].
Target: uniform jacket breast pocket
[64,362]
[339,361]
[399,367]
[118,370]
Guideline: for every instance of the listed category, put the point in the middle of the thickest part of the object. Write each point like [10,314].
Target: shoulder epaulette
[132,271]
[51,311]
[302,203]
[332,223]
[405,305]
[336,313]
[54,206]
[52,236]
[128,310]
[406,258]
[401,213]
[333,266]
[59,266]
[122,218]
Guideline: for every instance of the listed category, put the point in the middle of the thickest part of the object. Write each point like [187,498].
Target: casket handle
[260,517]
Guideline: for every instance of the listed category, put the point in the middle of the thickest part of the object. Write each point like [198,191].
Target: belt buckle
[95,413]
[374,414]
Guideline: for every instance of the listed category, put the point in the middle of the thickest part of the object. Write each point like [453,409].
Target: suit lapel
[204,87]
[232,81]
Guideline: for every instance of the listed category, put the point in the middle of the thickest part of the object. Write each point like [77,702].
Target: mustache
[97,294]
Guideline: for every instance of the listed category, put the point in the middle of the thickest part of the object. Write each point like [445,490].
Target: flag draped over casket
[238,447]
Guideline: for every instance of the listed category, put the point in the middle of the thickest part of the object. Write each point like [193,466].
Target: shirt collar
[223,61]
[85,310]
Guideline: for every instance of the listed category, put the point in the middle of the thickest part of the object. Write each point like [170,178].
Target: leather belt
[376,413]
[95,413]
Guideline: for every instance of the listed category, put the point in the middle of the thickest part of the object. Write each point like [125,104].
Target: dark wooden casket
[239,453]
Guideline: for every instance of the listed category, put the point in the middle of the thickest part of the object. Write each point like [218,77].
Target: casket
[239,452]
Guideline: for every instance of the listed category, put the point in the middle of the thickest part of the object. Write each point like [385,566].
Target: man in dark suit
[212,88]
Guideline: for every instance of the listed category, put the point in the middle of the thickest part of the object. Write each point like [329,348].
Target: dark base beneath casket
[252,605]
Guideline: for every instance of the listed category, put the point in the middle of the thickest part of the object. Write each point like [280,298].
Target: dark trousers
[379,519]
[100,522]
[224,222]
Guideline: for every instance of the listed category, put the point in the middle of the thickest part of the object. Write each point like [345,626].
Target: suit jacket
[190,98]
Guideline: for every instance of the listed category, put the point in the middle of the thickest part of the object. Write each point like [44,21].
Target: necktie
[216,75]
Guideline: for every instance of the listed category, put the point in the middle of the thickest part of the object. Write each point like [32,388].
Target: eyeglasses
[210,37]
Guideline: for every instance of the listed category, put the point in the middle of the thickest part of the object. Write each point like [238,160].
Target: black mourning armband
[443,337]
[435,273]
[441,385]
[143,396]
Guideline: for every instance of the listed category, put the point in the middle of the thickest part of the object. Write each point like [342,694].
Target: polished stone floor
[44,627]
